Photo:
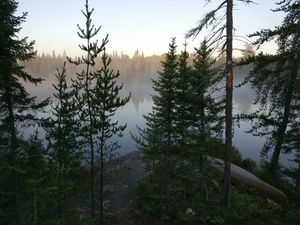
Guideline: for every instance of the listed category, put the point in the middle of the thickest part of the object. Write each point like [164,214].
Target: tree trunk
[90,132]
[228,107]
[297,185]
[286,114]
[101,178]
[35,211]
[13,154]
[60,168]
[92,174]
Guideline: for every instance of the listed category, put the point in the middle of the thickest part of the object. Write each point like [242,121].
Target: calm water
[248,145]
[141,104]
[132,113]
[243,98]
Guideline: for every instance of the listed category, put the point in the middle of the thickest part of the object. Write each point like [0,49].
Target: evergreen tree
[249,50]
[84,85]
[164,98]
[16,105]
[183,97]
[149,141]
[34,180]
[158,140]
[276,81]
[207,122]
[160,132]
[182,94]
[216,38]
[220,25]
[63,148]
[207,105]
[105,102]
[293,140]
[97,95]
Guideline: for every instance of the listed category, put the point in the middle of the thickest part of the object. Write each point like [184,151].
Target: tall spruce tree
[34,180]
[84,85]
[276,80]
[160,132]
[182,101]
[97,95]
[182,94]
[207,122]
[63,150]
[106,101]
[164,98]
[16,106]
[158,139]
[220,25]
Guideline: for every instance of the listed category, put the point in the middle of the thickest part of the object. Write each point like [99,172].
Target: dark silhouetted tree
[182,99]
[221,21]
[84,84]
[64,148]
[106,101]
[207,121]
[16,106]
[163,99]
[276,81]
[34,179]
[97,95]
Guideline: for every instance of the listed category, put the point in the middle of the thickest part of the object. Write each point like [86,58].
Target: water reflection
[141,104]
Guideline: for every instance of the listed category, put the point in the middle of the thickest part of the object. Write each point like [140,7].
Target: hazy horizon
[131,25]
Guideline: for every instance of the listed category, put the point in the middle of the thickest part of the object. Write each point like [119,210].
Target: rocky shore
[121,176]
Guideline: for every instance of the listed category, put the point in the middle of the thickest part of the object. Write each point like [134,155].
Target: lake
[243,98]
[141,104]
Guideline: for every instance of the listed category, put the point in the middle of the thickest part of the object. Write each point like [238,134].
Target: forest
[61,129]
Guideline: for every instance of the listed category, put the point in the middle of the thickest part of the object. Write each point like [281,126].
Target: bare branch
[208,19]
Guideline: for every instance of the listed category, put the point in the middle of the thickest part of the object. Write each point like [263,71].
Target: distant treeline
[136,72]
[135,67]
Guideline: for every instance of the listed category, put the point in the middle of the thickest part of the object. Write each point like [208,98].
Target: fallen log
[239,174]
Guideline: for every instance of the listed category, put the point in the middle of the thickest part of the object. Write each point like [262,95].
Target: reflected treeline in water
[44,65]
[136,72]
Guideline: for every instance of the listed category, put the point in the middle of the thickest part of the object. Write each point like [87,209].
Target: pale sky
[146,25]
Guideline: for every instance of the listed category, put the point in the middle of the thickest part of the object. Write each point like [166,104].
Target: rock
[124,181]
[124,172]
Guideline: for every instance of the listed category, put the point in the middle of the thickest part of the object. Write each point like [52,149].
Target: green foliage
[180,132]
[293,214]
[106,101]
[181,188]
[276,80]
[249,165]
[182,99]
[63,151]
[247,208]
[163,100]
[97,100]
[17,109]
[207,121]
[84,86]
[33,178]
[185,115]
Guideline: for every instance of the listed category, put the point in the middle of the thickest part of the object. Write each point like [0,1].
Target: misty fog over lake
[136,75]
